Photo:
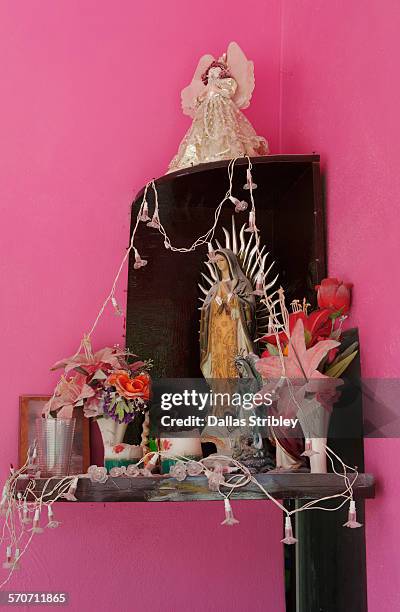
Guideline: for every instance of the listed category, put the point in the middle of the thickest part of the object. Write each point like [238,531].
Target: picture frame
[30,407]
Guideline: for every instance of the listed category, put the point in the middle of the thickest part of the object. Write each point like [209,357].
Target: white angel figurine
[218,91]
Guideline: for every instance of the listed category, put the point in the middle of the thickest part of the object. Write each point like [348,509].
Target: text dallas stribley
[228,421]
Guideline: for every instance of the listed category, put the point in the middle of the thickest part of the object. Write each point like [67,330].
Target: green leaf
[350,349]
[272,349]
[123,404]
[113,402]
[99,375]
[119,411]
[338,368]
[81,370]
[336,314]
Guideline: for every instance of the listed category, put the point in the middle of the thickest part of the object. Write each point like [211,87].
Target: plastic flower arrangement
[322,330]
[111,382]
[302,365]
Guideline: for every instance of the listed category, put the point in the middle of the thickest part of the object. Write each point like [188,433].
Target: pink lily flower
[301,367]
[69,393]
[301,362]
[109,357]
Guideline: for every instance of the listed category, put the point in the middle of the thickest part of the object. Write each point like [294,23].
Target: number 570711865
[32,598]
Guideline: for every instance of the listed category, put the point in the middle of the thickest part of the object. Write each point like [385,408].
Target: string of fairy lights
[23,509]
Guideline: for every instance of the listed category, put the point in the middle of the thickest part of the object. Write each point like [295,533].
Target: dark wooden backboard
[162,305]
[163,324]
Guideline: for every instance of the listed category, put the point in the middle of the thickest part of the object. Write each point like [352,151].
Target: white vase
[182,447]
[111,431]
[314,420]
[318,459]
[189,447]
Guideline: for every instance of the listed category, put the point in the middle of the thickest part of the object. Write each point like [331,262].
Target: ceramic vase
[111,431]
[314,419]
[188,447]
[116,453]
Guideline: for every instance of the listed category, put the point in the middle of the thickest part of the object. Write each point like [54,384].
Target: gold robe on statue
[227,329]
[226,336]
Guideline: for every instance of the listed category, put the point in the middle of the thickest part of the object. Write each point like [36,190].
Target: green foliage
[272,350]
[339,366]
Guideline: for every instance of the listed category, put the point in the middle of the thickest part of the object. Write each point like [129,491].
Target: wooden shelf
[164,488]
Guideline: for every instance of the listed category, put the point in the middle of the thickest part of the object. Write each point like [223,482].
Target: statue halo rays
[254,267]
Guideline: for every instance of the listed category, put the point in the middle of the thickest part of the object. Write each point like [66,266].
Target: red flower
[165,444]
[332,354]
[118,448]
[334,295]
[317,326]
[129,387]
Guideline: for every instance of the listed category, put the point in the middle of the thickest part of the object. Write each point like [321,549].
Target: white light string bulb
[14,506]
[275,323]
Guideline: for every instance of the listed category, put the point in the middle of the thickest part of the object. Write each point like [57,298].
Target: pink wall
[340,98]
[90,111]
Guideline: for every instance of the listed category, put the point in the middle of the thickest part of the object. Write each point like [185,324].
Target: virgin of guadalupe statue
[228,319]
[231,319]
[219,89]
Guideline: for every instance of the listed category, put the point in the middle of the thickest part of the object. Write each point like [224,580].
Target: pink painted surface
[340,98]
[89,111]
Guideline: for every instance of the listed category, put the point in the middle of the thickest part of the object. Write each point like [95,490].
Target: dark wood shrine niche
[163,324]
[163,296]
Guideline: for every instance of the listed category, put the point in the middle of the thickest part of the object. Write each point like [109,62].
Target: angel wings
[240,69]
[219,89]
